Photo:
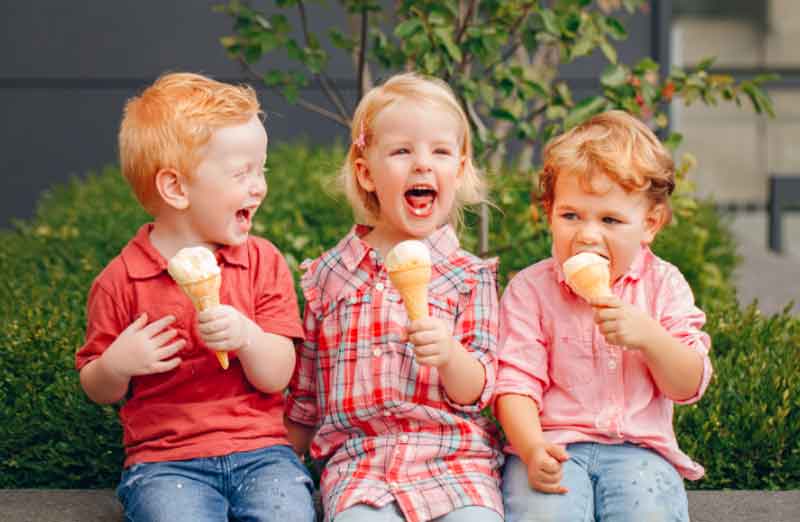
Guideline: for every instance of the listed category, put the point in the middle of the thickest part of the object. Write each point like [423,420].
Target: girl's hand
[545,468]
[622,324]
[433,341]
[143,349]
[223,328]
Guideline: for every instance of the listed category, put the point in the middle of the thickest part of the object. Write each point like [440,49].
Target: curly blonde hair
[167,125]
[615,144]
[421,90]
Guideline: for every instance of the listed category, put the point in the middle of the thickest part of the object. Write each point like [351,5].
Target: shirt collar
[441,243]
[142,260]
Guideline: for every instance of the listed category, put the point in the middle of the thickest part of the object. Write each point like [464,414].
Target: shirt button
[392,485]
[612,364]
[403,438]
[379,287]
[376,352]
[372,254]
[387,413]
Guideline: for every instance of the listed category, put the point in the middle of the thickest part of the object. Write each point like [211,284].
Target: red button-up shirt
[197,409]
[386,424]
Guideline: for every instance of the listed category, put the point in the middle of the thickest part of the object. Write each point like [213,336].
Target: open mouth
[244,216]
[420,199]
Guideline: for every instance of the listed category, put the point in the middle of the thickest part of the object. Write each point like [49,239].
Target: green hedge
[746,431]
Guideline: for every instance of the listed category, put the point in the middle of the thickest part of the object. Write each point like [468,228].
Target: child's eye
[401,150]
[608,220]
[443,151]
[569,216]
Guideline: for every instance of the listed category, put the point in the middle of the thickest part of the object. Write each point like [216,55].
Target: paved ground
[771,278]
[100,505]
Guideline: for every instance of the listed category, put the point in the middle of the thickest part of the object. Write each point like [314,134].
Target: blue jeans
[606,483]
[269,484]
[391,513]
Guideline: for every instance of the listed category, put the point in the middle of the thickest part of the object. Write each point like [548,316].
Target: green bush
[746,430]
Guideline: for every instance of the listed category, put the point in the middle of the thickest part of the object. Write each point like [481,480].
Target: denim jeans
[606,483]
[269,484]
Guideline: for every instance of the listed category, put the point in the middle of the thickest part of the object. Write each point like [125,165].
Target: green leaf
[615,28]
[550,22]
[673,140]
[706,63]
[407,28]
[445,36]
[503,114]
[609,51]
[585,110]
[582,46]
[614,76]
[341,40]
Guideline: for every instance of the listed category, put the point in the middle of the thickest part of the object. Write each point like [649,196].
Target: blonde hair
[418,89]
[618,145]
[169,122]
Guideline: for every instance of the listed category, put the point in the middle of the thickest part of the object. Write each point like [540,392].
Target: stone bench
[79,505]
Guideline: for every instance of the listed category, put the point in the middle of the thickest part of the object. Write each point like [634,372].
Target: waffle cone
[204,295]
[592,281]
[412,283]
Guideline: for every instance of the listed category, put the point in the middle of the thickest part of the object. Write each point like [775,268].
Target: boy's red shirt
[198,409]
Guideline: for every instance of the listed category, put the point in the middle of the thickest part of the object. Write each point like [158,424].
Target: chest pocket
[572,361]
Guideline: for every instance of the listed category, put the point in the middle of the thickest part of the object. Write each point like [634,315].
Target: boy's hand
[223,328]
[433,341]
[143,349]
[622,324]
[545,468]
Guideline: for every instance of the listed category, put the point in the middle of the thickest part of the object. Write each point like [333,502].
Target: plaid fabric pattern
[385,423]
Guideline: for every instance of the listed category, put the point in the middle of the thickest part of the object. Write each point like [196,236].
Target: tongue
[419,201]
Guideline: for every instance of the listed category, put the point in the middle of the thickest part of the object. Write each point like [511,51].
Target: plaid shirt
[385,424]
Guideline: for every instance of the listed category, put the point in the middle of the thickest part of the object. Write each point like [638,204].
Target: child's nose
[589,233]
[258,187]
[422,163]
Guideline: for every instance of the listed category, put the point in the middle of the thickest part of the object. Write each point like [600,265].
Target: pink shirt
[587,390]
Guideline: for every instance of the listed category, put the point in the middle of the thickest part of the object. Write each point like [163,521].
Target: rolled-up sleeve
[684,321]
[521,350]
[476,329]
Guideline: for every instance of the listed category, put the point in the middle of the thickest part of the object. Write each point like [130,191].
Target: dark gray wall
[66,69]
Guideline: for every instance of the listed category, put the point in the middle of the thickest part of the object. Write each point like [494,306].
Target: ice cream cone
[409,268]
[195,269]
[204,295]
[412,284]
[588,275]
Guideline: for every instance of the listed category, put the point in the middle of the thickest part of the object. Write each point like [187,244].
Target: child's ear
[363,175]
[170,185]
[653,221]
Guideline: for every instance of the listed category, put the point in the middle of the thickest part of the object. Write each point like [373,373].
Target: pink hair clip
[361,139]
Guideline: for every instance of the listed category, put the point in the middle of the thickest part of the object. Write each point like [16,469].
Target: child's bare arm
[268,361]
[463,377]
[676,368]
[267,358]
[141,349]
[519,416]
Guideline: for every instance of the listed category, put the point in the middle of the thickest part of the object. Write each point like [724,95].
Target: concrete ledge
[80,505]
